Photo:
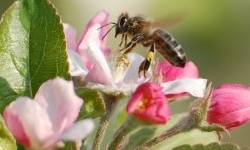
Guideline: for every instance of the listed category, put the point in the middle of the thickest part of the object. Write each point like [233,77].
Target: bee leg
[144,67]
[146,63]
[128,47]
[122,39]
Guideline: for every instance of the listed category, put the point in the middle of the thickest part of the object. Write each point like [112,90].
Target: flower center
[144,103]
[119,66]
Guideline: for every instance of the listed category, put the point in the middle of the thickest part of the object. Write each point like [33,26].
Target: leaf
[211,146]
[94,105]
[7,141]
[32,49]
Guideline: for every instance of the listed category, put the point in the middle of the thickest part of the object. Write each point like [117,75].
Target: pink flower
[230,105]
[148,103]
[91,59]
[171,73]
[44,122]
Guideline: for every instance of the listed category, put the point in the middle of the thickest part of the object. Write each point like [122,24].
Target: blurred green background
[214,34]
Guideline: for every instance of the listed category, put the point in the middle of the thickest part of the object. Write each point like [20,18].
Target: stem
[183,126]
[121,134]
[170,133]
[100,132]
[110,102]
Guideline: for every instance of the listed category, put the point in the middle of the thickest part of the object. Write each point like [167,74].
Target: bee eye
[123,21]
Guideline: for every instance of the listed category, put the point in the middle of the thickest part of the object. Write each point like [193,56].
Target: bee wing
[169,21]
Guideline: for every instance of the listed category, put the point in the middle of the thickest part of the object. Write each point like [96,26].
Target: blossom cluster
[56,106]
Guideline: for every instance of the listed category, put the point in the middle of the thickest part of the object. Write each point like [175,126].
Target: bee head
[122,24]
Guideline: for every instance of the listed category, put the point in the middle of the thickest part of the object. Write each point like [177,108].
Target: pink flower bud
[148,103]
[170,73]
[230,105]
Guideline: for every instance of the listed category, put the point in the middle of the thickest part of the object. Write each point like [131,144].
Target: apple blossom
[92,60]
[44,122]
[230,105]
[108,71]
[148,103]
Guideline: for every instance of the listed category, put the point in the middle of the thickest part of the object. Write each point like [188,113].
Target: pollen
[144,103]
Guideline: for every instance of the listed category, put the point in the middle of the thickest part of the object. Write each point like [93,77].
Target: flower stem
[100,132]
[186,124]
[110,102]
[120,135]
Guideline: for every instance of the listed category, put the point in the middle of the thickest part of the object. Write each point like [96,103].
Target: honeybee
[141,31]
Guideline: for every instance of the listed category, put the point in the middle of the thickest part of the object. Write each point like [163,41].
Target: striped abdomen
[168,47]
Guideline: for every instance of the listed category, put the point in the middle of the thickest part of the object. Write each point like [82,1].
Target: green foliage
[6,139]
[94,105]
[32,49]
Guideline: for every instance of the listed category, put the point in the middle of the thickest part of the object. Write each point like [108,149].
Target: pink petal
[15,125]
[58,99]
[148,103]
[79,130]
[195,87]
[92,32]
[170,72]
[32,123]
[76,66]
[100,72]
[70,35]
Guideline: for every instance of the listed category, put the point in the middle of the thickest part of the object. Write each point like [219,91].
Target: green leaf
[32,49]
[7,141]
[94,105]
[211,146]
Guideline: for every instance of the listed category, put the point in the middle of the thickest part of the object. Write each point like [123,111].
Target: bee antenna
[114,24]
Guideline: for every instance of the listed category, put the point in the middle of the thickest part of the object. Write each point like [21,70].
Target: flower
[92,60]
[44,122]
[230,105]
[108,71]
[148,103]
[171,73]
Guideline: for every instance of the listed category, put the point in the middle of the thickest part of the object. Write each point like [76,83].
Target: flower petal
[76,66]
[170,72]
[79,130]
[59,100]
[70,35]
[100,73]
[33,123]
[92,32]
[148,103]
[132,73]
[195,87]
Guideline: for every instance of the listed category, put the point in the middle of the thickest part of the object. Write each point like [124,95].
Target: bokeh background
[214,34]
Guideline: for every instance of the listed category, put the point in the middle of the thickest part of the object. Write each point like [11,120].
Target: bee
[141,31]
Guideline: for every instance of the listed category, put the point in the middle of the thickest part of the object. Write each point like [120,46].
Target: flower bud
[148,103]
[230,105]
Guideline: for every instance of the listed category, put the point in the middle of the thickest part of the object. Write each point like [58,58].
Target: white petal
[76,65]
[132,75]
[79,130]
[195,87]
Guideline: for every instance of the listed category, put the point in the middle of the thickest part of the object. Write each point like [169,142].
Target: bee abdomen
[169,48]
